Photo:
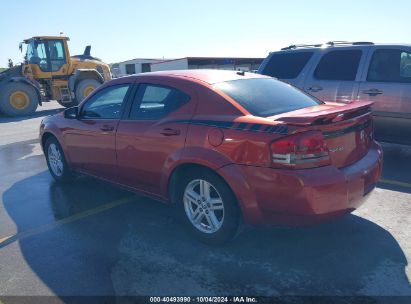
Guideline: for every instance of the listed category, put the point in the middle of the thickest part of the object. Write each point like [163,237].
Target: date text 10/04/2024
[203,300]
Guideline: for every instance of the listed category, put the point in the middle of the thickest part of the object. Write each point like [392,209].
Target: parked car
[344,72]
[220,145]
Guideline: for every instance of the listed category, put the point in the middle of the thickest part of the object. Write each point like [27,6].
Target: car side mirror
[71,113]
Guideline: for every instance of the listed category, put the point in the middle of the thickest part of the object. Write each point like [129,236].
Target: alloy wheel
[55,159]
[203,206]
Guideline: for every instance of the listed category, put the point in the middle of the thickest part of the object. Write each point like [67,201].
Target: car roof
[207,75]
[295,48]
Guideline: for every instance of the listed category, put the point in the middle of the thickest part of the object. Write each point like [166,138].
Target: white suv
[349,71]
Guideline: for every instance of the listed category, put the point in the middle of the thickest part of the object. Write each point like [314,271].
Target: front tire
[208,206]
[56,161]
[18,99]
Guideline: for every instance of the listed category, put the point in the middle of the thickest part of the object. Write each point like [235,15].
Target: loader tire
[68,104]
[85,87]
[18,99]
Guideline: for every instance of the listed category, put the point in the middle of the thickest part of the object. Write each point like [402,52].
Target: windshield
[266,96]
[36,52]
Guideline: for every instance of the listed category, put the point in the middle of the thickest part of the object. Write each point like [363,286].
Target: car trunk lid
[347,129]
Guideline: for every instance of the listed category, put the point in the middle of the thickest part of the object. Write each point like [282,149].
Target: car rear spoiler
[344,112]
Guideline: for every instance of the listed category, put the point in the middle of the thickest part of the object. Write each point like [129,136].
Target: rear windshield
[266,96]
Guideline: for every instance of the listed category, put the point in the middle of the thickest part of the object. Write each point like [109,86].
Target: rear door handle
[314,88]
[107,128]
[372,92]
[170,132]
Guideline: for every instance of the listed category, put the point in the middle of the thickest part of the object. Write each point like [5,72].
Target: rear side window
[390,65]
[266,96]
[286,66]
[338,65]
[156,101]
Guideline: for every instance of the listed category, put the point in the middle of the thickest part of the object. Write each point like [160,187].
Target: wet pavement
[91,238]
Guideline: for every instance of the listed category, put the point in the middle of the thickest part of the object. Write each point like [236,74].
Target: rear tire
[208,206]
[56,161]
[85,87]
[18,99]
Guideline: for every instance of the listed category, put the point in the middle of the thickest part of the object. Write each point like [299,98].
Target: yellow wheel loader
[49,73]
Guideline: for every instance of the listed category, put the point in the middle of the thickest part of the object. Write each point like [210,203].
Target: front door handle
[314,88]
[372,92]
[107,128]
[170,132]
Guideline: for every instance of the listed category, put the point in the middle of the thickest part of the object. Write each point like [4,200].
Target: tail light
[300,151]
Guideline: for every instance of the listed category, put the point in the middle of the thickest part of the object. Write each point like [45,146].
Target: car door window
[338,65]
[156,101]
[105,104]
[287,65]
[390,65]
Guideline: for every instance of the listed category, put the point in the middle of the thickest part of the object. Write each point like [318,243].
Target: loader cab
[47,56]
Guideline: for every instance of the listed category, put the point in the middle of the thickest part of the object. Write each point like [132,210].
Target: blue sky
[119,30]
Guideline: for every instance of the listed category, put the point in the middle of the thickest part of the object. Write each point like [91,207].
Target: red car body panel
[302,196]
[90,149]
[214,131]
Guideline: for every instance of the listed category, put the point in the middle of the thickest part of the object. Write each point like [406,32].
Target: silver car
[345,71]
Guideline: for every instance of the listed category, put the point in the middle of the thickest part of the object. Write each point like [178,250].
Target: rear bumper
[299,197]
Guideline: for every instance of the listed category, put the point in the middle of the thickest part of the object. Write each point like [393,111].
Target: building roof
[156,59]
[209,76]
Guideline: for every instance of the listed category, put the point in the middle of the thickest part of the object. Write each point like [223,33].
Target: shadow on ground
[397,188]
[396,168]
[141,248]
[38,113]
